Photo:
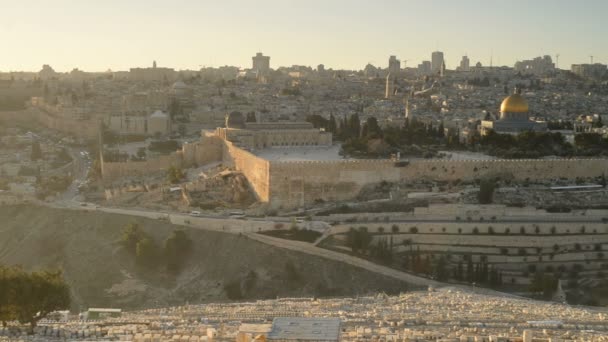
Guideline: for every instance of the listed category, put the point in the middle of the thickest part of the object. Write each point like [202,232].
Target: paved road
[412,279]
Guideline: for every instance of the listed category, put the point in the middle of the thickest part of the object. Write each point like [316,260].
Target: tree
[459,272]
[332,126]
[470,271]
[38,294]
[441,269]
[177,247]
[358,239]
[174,175]
[175,109]
[7,291]
[146,252]
[373,129]
[251,117]
[36,151]
[486,191]
[131,235]
[382,251]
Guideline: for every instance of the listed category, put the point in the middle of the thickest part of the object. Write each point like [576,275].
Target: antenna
[557,61]
[591,58]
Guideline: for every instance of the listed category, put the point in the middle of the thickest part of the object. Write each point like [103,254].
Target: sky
[341,34]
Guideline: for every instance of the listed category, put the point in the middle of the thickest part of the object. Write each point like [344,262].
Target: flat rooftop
[300,153]
[332,153]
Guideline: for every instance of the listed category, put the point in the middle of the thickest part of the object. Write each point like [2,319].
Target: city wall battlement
[298,183]
[295,183]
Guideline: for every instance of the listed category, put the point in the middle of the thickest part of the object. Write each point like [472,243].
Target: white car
[195,213]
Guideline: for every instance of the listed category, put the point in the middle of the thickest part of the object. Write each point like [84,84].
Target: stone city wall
[208,150]
[298,183]
[293,184]
[255,169]
[112,171]
[85,129]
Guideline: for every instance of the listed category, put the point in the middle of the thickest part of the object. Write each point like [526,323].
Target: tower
[260,63]
[394,65]
[464,63]
[154,64]
[436,61]
[390,86]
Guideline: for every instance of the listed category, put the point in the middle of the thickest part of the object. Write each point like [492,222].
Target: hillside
[101,274]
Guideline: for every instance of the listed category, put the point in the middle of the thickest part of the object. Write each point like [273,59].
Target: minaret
[408,113]
[390,86]
[154,64]
[442,69]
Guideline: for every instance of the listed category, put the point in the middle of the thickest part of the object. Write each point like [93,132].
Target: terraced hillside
[514,256]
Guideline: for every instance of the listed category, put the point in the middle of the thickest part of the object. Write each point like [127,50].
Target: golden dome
[514,104]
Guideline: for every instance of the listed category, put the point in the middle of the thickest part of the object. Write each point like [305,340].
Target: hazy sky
[187,34]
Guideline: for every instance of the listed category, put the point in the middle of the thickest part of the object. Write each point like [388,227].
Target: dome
[514,104]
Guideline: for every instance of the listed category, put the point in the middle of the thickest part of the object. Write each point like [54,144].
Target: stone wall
[85,129]
[298,183]
[293,184]
[115,170]
[208,150]
[255,169]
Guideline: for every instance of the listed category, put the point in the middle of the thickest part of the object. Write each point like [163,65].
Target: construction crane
[404,63]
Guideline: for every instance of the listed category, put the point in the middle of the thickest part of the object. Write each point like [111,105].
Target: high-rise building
[596,70]
[464,64]
[436,61]
[424,68]
[536,66]
[261,63]
[394,65]
[320,68]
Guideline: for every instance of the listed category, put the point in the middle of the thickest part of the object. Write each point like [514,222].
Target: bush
[177,248]
[358,239]
[146,252]
[174,175]
[233,290]
[164,147]
[131,235]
